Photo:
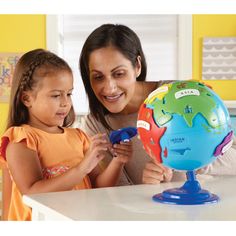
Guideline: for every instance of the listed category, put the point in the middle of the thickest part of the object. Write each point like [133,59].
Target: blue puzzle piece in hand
[122,135]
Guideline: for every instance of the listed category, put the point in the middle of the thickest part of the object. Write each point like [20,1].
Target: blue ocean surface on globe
[193,147]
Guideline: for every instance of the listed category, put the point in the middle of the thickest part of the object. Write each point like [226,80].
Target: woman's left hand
[155,173]
[122,152]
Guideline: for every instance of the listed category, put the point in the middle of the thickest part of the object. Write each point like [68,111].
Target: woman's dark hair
[124,40]
[32,67]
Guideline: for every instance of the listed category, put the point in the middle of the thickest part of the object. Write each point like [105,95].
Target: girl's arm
[6,193]
[122,153]
[26,170]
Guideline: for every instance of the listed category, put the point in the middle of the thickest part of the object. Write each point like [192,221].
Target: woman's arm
[224,164]
[155,173]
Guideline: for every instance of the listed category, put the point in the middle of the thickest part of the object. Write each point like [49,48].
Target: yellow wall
[20,33]
[213,25]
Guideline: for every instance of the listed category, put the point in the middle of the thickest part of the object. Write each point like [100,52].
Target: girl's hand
[122,152]
[96,152]
[155,173]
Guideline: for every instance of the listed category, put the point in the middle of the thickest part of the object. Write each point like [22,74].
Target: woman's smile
[113,98]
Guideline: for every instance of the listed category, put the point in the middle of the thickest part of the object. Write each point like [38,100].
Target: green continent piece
[187,106]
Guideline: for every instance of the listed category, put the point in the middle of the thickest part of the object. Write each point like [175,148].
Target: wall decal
[7,65]
[219,58]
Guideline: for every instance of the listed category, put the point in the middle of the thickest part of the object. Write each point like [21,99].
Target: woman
[113,69]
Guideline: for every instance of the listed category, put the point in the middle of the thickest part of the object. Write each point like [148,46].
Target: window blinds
[158,35]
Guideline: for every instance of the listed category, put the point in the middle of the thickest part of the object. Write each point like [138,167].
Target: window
[166,41]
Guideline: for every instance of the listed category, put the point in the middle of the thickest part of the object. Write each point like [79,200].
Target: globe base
[190,193]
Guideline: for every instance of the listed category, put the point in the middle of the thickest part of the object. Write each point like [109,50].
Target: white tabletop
[133,203]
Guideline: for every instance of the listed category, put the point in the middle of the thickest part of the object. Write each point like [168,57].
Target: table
[133,203]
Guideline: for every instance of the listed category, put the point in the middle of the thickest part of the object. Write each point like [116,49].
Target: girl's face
[113,78]
[50,101]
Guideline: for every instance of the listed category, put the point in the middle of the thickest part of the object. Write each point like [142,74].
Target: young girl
[42,154]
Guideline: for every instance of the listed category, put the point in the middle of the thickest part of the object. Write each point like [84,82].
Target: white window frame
[54,42]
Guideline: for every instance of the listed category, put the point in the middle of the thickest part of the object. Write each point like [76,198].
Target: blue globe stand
[190,193]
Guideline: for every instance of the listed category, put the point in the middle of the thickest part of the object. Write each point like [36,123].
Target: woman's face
[112,78]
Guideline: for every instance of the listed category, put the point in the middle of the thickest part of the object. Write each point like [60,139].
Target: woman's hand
[155,173]
[122,152]
[96,152]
